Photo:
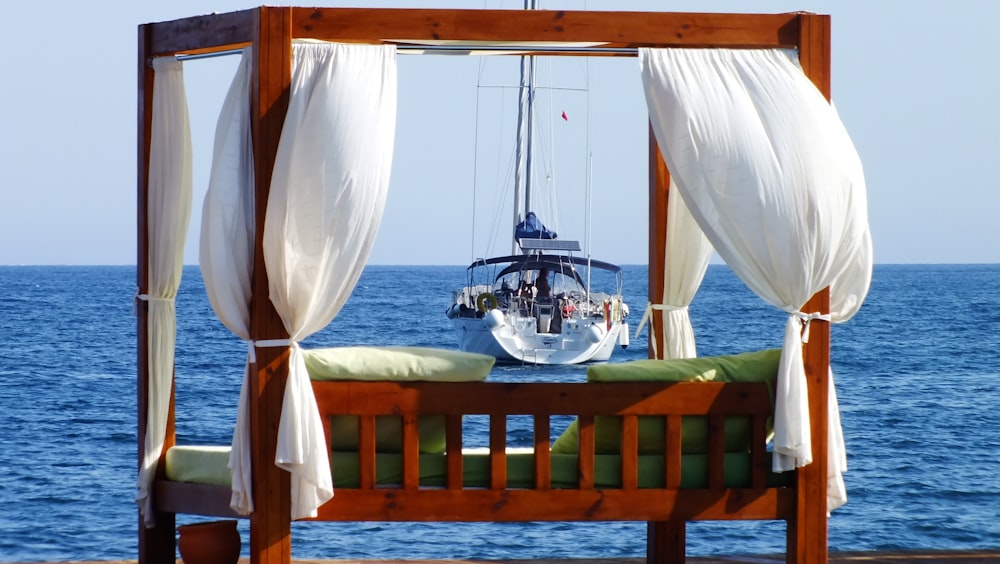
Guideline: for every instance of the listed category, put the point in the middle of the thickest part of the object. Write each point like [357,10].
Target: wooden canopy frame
[270,30]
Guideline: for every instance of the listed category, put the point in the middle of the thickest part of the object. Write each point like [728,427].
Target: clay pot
[214,542]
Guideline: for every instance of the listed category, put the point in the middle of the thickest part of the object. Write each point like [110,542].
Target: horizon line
[455,265]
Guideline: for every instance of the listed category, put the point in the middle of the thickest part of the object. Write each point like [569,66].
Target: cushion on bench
[760,366]
[398,364]
[199,465]
[207,465]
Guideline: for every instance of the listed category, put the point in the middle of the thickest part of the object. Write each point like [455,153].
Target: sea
[917,375]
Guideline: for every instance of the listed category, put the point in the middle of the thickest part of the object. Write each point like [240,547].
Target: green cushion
[207,465]
[399,364]
[199,464]
[760,366]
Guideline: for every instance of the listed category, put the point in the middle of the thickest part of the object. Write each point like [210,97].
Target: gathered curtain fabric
[771,176]
[226,250]
[687,252]
[168,210]
[328,192]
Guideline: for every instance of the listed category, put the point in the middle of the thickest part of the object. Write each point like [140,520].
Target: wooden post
[665,540]
[156,544]
[270,524]
[659,199]
[808,531]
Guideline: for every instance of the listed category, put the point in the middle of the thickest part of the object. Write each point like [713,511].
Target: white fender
[493,319]
[594,334]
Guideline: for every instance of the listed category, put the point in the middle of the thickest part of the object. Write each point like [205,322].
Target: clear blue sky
[915,82]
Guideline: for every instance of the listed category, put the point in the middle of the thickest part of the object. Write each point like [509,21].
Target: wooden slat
[411,453]
[672,465]
[453,442]
[716,451]
[486,505]
[630,452]
[653,29]
[543,456]
[328,435]
[592,398]
[758,452]
[498,452]
[585,425]
[366,452]
[511,505]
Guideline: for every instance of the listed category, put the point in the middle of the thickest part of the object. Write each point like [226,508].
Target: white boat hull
[517,340]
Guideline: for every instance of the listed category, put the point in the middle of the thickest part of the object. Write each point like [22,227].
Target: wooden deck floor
[906,557]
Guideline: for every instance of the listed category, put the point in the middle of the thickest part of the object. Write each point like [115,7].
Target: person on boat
[525,290]
[542,289]
[549,321]
[524,297]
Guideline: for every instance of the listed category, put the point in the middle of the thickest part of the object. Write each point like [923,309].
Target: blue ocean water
[916,375]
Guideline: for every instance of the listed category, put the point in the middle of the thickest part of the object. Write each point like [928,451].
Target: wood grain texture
[496,398]
[659,201]
[270,524]
[518,505]
[202,34]
[219,32]
[808,531]
[629,29]
[157,543]
[665,542]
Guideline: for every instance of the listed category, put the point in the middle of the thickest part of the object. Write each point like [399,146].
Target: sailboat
[537,304]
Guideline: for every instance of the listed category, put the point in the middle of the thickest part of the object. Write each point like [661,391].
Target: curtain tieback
[146,298]
[267,343]
[806,319]
[650,306]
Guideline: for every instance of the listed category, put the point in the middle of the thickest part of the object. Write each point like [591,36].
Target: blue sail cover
[532,228]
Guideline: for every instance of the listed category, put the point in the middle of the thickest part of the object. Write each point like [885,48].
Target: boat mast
[525,110]
[529,124]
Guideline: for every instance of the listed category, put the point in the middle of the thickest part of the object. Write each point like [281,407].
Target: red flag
[565,117]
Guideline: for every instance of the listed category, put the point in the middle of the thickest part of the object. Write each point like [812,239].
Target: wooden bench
[666,507]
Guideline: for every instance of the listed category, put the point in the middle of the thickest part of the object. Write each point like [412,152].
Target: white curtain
[328,192]
[168,210]
[773,179]
[226,252]
[687,253]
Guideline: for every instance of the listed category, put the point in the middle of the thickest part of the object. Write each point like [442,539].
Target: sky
[915,83]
